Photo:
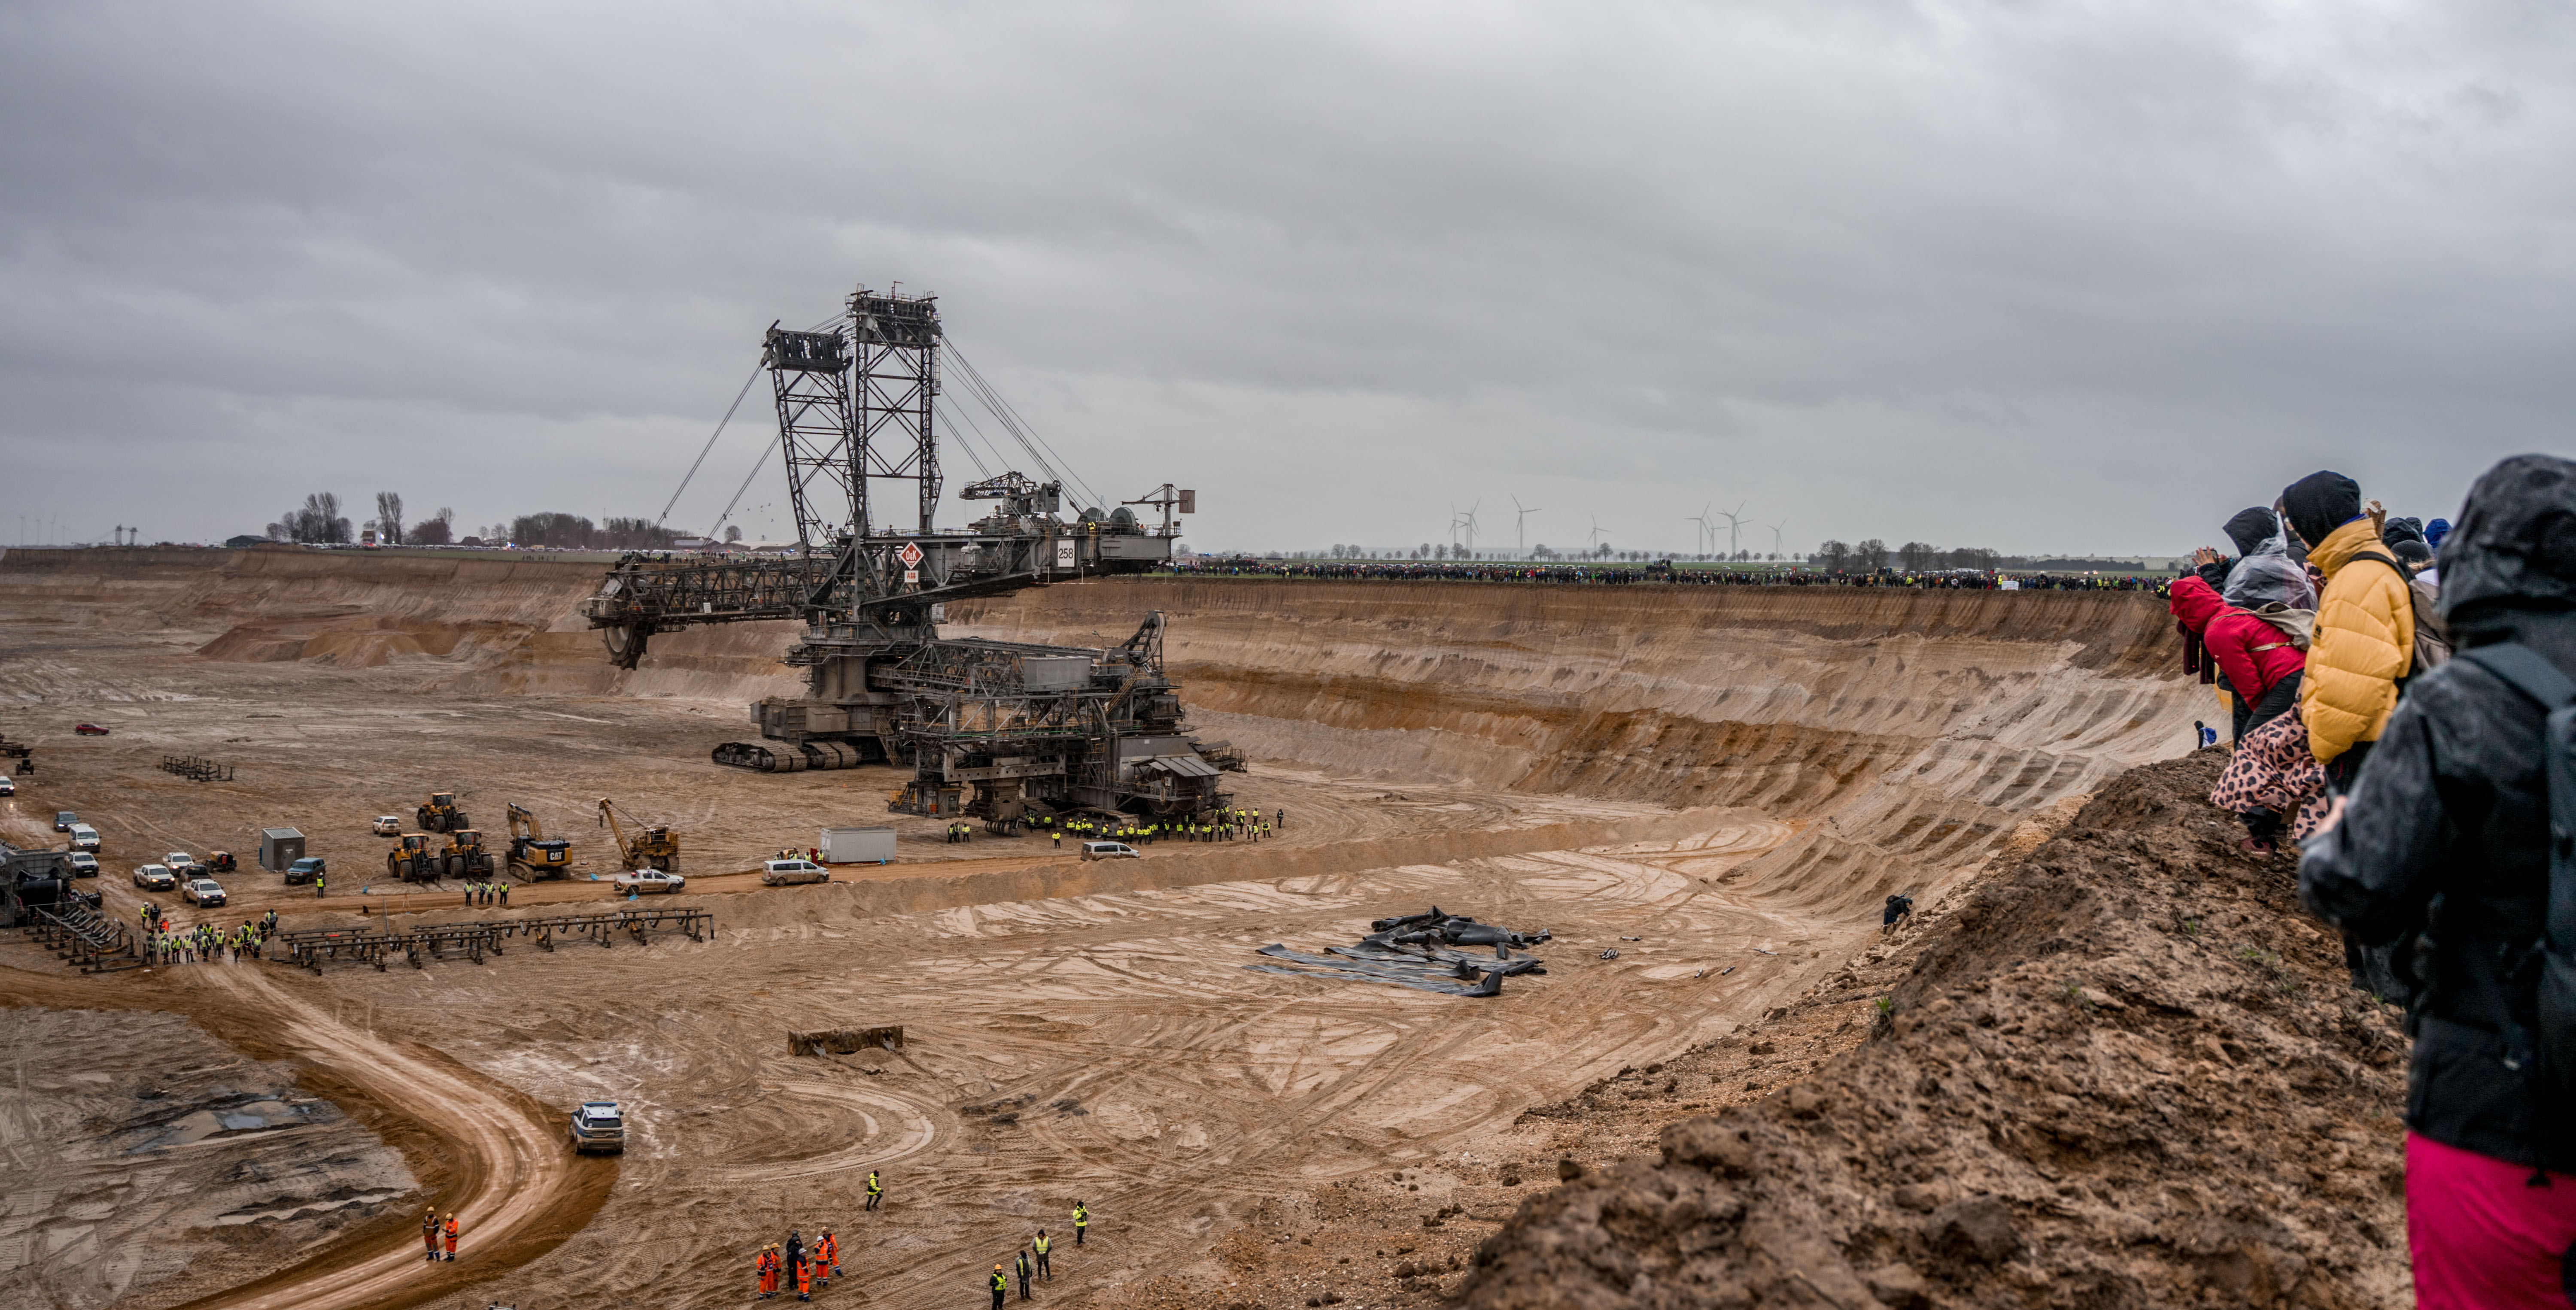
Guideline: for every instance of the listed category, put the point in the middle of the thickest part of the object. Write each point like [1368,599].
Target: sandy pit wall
[1904,733]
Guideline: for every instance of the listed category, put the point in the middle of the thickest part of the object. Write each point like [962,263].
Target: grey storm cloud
[2039,277]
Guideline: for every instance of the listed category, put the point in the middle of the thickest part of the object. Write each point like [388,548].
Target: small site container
[858,845]
[279,847]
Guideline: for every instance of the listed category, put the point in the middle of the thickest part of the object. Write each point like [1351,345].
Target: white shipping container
[858,845]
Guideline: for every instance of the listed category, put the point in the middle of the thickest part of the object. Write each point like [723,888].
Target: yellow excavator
[533,854]
[654,847]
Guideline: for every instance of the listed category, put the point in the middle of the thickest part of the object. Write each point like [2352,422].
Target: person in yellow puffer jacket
[2365,629]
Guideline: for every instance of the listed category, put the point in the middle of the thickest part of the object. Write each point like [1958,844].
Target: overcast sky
[2061,277]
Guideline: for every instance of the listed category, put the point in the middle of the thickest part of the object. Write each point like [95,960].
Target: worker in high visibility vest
[1044,1245]
[1081,1221]
[827,1258]
[876,1190]
[999,1287]
[451,1235]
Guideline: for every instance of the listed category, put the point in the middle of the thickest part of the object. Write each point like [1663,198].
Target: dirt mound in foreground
[2126,1072]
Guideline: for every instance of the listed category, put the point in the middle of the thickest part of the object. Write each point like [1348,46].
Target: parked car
[386,825]
[64,819]
[183,864]
[202,892]
[304,871]
[84,837]
[89,730]
[8,785]
[787,873]
[597,1126]
[645,881]
[154,877]
[84,864]
[1110,850]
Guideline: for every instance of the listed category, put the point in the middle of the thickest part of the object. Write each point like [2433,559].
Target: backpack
[2527,672]
[2432,636]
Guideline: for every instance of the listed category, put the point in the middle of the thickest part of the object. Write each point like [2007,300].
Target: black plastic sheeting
[1420,951]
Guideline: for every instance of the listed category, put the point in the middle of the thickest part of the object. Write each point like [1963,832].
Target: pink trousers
[2482,1238]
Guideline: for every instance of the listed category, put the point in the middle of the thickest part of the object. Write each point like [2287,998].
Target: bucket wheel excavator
[989,729]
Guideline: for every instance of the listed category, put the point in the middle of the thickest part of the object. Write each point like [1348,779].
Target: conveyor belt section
[311,948]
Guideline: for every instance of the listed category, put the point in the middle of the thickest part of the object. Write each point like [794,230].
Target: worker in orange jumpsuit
[767,1265]
[827,1258]
[451,1235]
[805,1279]
[429,1233]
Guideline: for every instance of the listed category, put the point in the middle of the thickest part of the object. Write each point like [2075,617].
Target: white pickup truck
[647,881]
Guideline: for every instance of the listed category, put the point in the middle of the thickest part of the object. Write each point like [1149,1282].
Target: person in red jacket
[2262,660]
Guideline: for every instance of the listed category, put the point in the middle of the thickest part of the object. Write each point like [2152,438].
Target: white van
[84,837]
[1110,850]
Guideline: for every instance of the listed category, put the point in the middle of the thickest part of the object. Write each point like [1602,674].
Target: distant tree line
[1871,555]
[318,521]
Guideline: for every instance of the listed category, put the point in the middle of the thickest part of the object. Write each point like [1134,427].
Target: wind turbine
[1596,529]
[1701,519]
[1466,522]
[1775,535]
[1520,526]
[1734,528]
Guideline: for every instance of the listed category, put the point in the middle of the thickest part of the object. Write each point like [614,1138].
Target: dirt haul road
[1732,779]
[514,1168]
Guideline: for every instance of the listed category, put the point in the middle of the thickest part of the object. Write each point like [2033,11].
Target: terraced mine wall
[1904,733]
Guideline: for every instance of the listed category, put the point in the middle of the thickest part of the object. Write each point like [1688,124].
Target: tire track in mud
[516,1191]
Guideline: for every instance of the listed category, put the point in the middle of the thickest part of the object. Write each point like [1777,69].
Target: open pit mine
[1510,942]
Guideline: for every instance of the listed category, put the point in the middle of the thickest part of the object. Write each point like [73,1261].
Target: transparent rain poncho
[2268,576]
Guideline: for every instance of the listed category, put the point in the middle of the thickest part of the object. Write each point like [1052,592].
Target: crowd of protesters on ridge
[1663,573]
[2403,698]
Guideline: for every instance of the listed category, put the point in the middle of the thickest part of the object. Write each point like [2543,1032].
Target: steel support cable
[1017,426]
[1002,413]
[948,413]
[991,447]
[738,492]
[982,395]
[1020,423]
[1039,460]
[756,466]
[965,418]
[711,443]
